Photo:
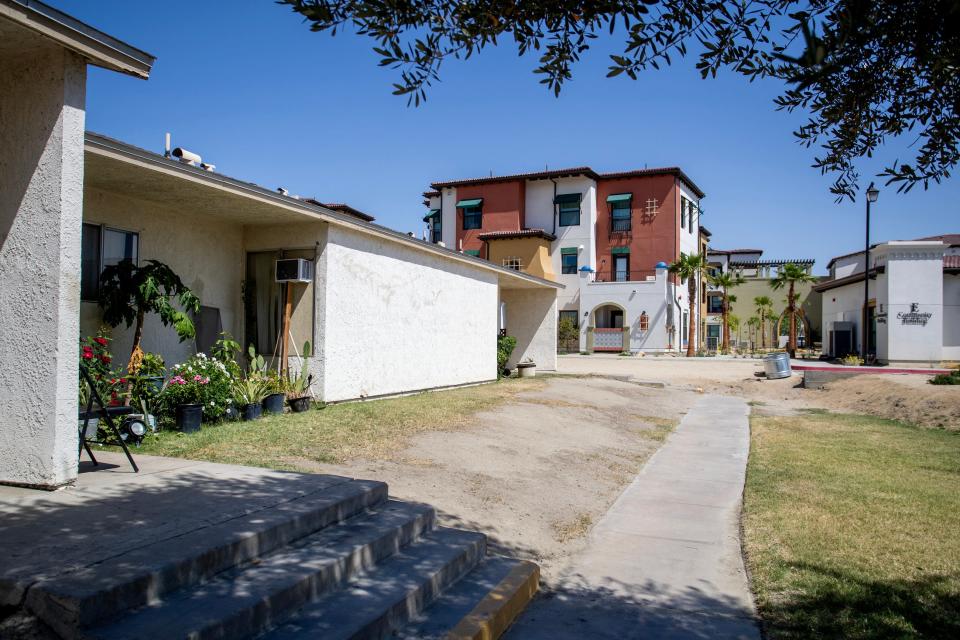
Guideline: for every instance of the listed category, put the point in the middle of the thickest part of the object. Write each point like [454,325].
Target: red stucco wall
[503,210]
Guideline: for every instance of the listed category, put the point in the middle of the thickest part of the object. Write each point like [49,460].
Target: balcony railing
[620,275]
[620,225]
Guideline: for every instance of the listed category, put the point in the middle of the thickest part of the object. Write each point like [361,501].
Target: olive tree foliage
[864,72]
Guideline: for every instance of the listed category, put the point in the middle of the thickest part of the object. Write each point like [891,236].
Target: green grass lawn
[375,428]
[852,527]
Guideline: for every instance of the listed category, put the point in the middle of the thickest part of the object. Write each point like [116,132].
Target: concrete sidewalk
[664,562]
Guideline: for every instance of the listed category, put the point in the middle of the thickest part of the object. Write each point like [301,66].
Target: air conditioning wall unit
[293,270]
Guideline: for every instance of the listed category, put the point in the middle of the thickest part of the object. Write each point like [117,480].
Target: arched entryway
[609,327]
[782,328]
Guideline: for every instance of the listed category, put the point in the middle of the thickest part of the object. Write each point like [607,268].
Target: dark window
[570,212]
[436,229]
[714,304]
[472,218]
[620,216]
[572,316]
[568,263]
[102,247]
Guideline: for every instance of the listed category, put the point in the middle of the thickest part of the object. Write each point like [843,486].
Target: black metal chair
[107,415]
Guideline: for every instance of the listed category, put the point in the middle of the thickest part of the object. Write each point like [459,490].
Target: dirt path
[909,398]
[536,473]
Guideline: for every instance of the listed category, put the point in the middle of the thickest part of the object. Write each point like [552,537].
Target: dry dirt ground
[909,398]
[535,473]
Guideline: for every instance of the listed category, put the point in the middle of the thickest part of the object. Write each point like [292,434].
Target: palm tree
[789,276]
[763,305]
[726,281]
[689,268]
[753,322]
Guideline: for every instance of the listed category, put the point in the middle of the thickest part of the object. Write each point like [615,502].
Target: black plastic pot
[189,417]
[250,411]
[273,403]
[299,405]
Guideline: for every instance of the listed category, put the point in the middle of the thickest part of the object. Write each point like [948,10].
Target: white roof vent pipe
[187,157]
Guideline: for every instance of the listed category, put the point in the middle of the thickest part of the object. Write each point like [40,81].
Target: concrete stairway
[345,562]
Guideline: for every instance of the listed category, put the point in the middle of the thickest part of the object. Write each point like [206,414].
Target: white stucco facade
[915,302]
[207,252]
[41,190]
[397,320]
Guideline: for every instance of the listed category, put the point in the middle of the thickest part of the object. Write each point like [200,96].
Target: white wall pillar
[41,193]
[532,320]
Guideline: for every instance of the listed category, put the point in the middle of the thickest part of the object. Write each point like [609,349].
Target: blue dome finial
[661,265]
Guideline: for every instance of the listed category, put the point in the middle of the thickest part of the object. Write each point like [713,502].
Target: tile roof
[951,262]
[342,208]
[521,233]
[573,171]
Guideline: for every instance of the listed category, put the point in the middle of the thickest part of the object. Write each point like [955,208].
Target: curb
[499,608]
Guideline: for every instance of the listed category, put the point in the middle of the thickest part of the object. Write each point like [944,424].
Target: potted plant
[185,395]
[276,394]
[200,389]
[249,393]
[298,386]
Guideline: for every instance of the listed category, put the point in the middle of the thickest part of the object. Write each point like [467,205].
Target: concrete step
[483,604]
[145,574]
[377,604]
[248,599]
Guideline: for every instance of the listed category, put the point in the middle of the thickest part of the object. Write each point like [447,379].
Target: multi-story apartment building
[608,237]
[756,274]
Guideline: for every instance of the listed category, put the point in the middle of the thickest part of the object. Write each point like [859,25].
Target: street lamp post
[872,193]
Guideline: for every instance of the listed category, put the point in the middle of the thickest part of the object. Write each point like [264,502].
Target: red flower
[105,359]
[87,355]
[101,341]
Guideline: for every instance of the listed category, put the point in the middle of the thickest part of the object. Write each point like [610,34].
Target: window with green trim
[436,228]
[568,262]
[569,209]
[620,215]
[473,252]
[472,218]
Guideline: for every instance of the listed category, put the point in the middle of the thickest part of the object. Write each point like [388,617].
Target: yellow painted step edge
[497,611]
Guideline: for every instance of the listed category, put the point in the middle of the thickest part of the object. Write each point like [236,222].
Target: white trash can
[777,365]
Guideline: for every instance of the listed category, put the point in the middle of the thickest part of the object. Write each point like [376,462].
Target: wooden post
[287,312]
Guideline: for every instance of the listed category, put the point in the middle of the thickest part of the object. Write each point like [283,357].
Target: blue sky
[263,98]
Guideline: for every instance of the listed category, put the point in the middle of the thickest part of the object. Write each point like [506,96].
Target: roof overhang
[97,47]
[117,167]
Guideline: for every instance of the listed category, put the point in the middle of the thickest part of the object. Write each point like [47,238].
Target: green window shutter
[475,202]
[619,251]
[620,197]
[473,252]
[568,198]
[566,251]
[433,214]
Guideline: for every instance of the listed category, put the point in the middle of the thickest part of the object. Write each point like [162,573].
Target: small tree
[689,268]
[726,281]
[128,293]
[763,306]
[789,276]
[567,332]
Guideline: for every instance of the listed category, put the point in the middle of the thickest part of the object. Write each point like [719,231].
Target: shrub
[852,360]
[199,380]
[947,378]
[505,347]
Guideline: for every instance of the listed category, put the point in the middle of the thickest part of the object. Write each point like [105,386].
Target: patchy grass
[572,529]
[851,527]
[372,429]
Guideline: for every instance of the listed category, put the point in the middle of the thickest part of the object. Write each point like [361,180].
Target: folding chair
[106,415]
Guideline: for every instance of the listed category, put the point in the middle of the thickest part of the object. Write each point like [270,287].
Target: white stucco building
[913,308]
[386,313]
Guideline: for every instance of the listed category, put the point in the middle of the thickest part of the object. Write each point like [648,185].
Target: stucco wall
[502,210]
[951,317]
[42,99]
[395,319]
[532,320]
[913,276]
[845,304]
[541,214]
[652,297]
[207,253]
[534,254]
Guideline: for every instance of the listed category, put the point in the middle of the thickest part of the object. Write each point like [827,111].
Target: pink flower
[197,378]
